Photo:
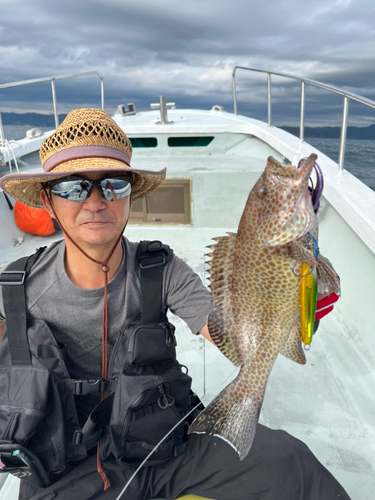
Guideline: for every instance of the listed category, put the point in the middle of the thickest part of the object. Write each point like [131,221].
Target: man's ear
[46,203]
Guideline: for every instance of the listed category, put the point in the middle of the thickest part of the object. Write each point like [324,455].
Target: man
[86,312]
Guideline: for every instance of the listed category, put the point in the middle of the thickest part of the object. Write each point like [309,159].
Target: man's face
[95,221]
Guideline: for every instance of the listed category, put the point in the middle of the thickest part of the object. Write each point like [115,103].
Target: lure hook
[298,275]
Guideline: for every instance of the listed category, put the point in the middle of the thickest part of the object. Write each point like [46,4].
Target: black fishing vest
[147,390]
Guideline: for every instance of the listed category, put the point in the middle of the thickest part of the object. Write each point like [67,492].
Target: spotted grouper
[255,276]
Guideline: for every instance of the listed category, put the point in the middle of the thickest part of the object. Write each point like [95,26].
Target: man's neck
[88,274]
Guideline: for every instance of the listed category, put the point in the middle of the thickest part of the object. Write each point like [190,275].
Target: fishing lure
[307,303]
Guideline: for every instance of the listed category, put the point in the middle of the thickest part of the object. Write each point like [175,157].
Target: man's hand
[324,305]
[2,328]
[206,334]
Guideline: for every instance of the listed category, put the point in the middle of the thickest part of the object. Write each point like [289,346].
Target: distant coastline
[39,120]
[358,133]
[32,119]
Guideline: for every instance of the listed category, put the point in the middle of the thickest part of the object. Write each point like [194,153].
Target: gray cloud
[187,50]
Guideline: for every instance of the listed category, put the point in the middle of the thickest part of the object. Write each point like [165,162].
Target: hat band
[89,151]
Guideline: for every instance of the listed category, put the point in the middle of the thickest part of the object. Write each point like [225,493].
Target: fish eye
[262,192]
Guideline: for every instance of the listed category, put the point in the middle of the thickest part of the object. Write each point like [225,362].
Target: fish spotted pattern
[255,277]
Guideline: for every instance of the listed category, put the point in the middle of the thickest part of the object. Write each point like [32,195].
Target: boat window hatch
[169,204]
[190,142]
[143,142]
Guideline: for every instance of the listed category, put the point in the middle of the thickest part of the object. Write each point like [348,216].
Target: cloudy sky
[186,50]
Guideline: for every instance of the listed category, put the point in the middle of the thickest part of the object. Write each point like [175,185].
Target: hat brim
[26,187]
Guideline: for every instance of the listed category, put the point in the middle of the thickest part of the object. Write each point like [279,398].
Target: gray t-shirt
[74,314]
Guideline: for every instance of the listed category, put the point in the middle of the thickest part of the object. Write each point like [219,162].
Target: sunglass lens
[74,190]
[115,189]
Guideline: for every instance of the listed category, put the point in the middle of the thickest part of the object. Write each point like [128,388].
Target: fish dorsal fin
[220,320]
[293,346]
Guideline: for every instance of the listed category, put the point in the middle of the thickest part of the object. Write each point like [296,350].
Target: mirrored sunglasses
[79,189]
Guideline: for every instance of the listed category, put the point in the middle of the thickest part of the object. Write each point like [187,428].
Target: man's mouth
[95,223]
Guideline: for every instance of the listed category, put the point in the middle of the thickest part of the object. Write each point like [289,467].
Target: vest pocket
[37,408]
[20,414]
[31,413]
[151,344]
[145,408]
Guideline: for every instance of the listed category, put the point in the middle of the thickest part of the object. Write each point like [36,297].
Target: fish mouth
[285,173]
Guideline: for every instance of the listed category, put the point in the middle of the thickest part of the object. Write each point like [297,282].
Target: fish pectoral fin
[231,418]
[293,346]
[220,320]
[328,280]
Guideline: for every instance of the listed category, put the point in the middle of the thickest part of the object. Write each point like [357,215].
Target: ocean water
[359,154]
[16,132]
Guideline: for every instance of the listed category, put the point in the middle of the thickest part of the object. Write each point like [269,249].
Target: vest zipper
[25,411]
[131,341]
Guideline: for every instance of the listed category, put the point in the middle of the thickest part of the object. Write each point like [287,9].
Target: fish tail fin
[327,276]
[232,419]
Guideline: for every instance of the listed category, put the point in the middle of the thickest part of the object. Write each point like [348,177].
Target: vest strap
[14,300]
[153,256]
[92,430]
[51,351]
[154,407]
[172,447]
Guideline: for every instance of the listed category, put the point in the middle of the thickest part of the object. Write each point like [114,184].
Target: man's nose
[95,199]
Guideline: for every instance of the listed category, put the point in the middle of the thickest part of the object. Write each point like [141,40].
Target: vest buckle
[15,277]
[83,387]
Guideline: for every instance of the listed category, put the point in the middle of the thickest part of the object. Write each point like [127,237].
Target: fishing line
[315,243]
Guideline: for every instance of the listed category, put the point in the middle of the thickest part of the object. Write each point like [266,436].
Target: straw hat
[87,140]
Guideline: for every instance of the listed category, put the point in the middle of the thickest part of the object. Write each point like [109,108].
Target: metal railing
[335,90]
[52,79]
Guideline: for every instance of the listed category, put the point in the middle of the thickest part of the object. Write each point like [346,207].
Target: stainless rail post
[234,90]
[344,126]
[302,119]
[52,79]
[2,133]
[269,97]
[54,103]
[101,90]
